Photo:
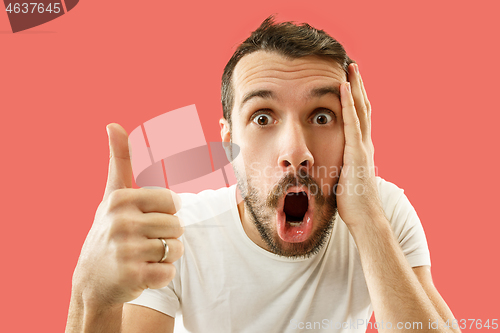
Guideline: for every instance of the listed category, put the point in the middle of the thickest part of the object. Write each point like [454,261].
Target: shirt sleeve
[163,300]
[405,224]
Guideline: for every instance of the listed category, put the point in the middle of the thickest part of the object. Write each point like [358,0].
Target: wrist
[370,229]
[86,314]
[365,218]
[89,295]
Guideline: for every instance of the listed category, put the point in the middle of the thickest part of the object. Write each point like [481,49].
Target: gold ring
[165,254]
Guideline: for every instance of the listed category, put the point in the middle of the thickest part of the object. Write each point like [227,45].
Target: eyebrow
[320,92]
[265,94]
[268,94]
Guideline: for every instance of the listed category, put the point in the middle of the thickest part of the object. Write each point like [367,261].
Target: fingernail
[129,148]
[356,68]
[348,86]
[109,143]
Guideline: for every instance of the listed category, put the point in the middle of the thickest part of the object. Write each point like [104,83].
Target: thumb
[120,166]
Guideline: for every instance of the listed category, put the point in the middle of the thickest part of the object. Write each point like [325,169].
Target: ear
[225,132]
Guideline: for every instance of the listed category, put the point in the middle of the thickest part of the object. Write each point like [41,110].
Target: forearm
[85,316]
[396,293]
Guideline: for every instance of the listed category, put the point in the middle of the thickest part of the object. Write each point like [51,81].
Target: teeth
[295,224]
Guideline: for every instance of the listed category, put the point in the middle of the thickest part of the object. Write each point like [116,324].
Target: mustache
[291,180]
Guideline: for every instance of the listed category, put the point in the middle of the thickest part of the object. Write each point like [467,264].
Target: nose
[295,155]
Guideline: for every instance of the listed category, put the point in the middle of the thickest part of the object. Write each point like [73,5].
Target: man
[310,238]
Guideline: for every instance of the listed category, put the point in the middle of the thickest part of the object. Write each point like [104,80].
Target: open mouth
[294,215]
[295,207]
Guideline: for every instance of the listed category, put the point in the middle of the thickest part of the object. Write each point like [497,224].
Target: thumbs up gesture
[133,240]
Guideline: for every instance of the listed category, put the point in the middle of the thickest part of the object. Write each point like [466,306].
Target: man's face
[287,122]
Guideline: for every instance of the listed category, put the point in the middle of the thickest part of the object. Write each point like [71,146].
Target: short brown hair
[288,39]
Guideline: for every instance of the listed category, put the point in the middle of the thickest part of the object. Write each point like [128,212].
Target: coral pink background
[430,68]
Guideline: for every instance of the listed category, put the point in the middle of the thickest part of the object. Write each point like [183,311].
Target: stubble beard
[263,214]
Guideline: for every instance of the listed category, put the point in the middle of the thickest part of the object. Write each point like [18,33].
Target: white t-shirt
[226,283]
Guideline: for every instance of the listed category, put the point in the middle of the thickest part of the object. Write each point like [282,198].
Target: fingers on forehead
[357,89]
[350,118]
[360,99]
[365,96]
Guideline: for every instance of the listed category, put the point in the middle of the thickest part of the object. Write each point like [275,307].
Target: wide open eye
[322,118]
[263,119]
